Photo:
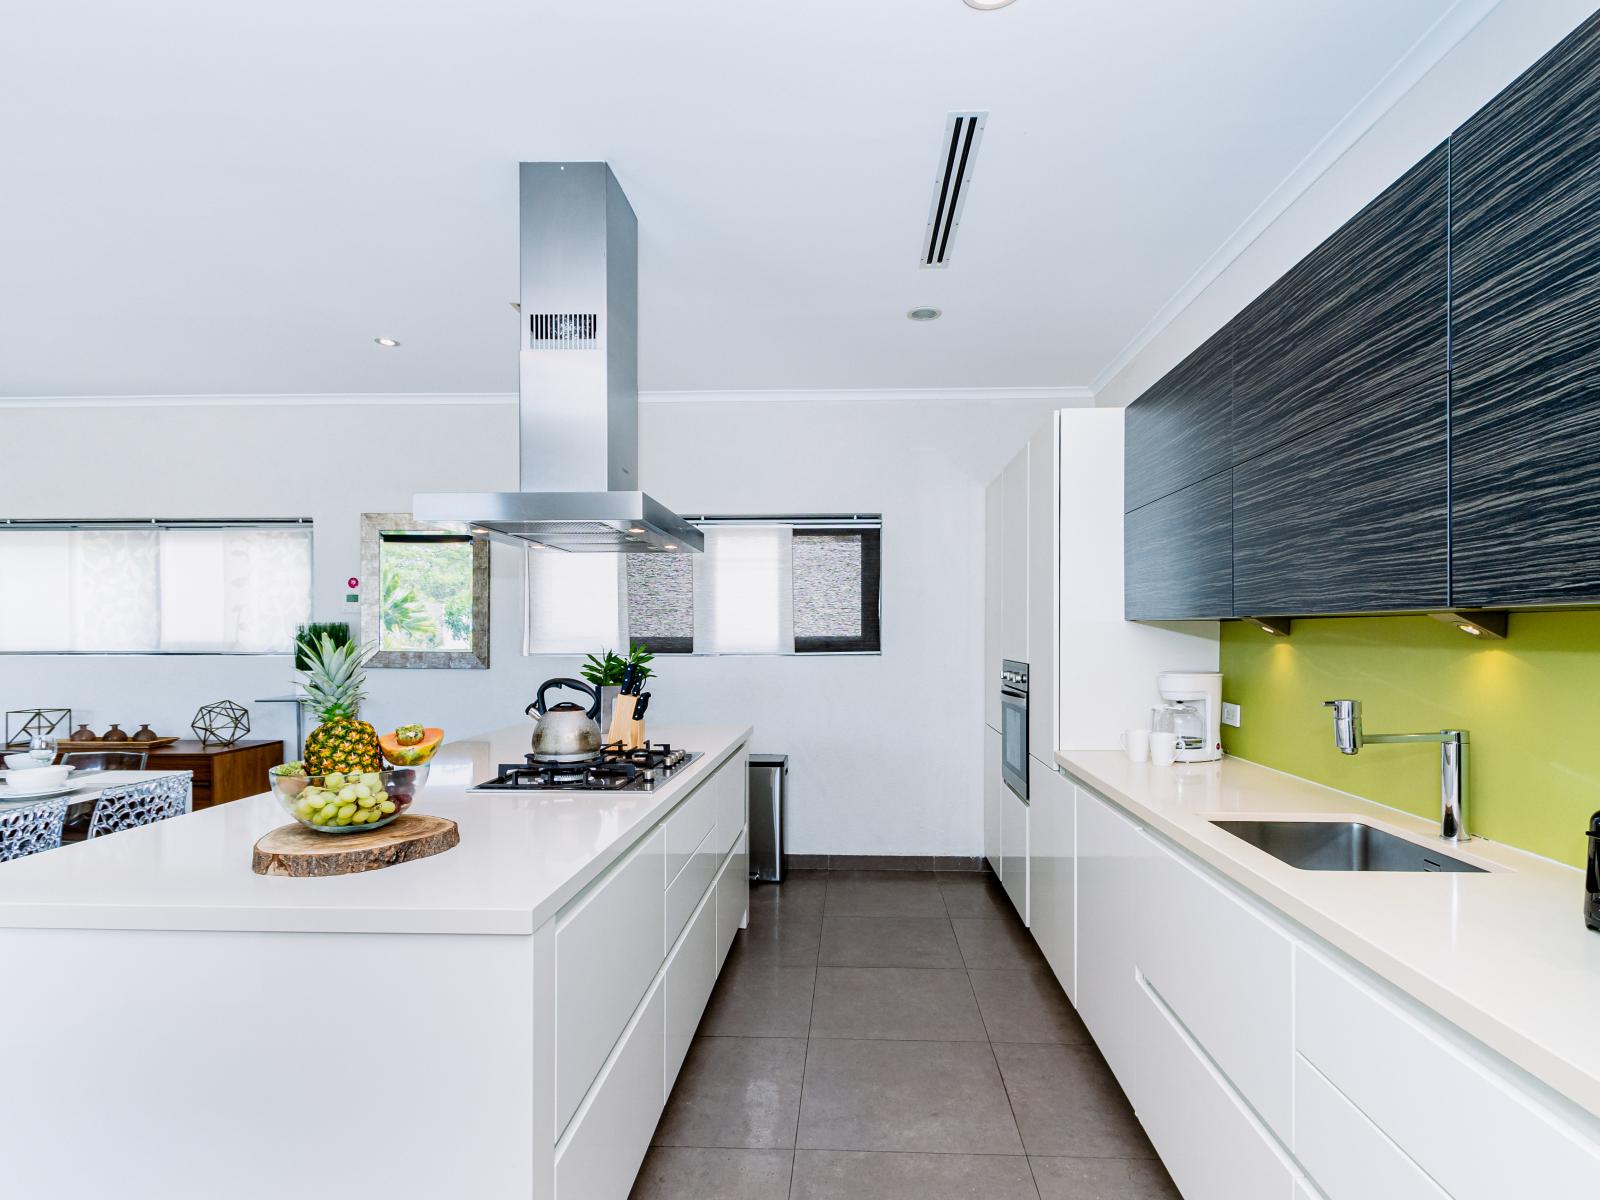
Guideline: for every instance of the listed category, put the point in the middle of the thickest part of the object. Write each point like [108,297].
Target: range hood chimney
[578,390]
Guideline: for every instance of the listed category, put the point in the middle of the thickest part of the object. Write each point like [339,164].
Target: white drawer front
[687,827]
[608,1141]
[690,974]
[1211,1145]
[1228,975]
[1349,1156]
[733,899]
[733,782]
[1461,1117]
[608,948]
[683,896]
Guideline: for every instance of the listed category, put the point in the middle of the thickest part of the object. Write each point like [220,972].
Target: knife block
[635,734]
[622,721]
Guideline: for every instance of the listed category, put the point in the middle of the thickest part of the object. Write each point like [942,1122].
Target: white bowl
[25,762]
[38,779]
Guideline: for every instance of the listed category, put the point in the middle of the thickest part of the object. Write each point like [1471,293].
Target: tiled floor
[894,1034]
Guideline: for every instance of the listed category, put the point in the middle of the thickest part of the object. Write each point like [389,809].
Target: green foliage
[306,636]
[606,669]
[403,612]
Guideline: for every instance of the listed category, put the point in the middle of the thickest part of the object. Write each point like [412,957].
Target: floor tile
[1027,1005]
[896,1002]
[888,942]
[995,944]
[694,1173]
[789,940]
[865,874]
[870,894]
[1102,1179]
[1067,1102]
[736,1092]
[858,1175]
[913,1096]
[975,896]
[758,997]
[800,894]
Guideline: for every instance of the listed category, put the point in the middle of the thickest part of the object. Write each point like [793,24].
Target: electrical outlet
[1230,714]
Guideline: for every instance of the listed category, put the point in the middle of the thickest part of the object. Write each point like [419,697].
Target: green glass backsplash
[1531,704]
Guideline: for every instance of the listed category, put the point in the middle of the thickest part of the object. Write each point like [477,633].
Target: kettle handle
[537,707]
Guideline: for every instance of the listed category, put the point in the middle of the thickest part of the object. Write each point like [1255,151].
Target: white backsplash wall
[881,757]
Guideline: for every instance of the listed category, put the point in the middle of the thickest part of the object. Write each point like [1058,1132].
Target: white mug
[1136,744]
[1163,749]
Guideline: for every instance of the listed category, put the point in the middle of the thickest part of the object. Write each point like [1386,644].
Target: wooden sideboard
[221,773]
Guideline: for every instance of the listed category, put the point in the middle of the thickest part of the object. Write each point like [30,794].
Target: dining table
[80,803]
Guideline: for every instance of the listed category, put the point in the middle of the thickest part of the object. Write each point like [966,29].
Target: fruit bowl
[347,803]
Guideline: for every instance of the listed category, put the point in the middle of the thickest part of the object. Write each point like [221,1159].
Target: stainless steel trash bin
[767,786]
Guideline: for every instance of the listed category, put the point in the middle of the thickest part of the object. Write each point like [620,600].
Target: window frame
[160,524]
[373,526]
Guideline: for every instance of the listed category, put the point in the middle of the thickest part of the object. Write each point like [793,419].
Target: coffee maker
[1194,700]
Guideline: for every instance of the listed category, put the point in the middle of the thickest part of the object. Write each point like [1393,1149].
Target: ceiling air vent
[563,331]
[962,133]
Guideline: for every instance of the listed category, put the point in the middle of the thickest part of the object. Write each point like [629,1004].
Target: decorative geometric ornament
[221,723]
[25,724]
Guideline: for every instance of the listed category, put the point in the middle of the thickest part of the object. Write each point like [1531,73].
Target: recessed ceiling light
[925,314]
[987,5]
[386,342]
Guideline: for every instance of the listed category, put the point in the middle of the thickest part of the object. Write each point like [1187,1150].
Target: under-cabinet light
[1488,625]
[1277,626]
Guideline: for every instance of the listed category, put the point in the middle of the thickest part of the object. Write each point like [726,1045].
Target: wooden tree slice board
[298,851]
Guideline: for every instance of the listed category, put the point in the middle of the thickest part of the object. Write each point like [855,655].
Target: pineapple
[343,743]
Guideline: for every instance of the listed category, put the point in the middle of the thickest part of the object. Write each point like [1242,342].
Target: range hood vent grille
[957,154]
[563,331]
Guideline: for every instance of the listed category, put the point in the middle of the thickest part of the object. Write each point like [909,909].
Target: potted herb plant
[605,671]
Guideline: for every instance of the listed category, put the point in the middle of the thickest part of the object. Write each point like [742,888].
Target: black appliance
[1591,886]
[612,770]
[1014,726]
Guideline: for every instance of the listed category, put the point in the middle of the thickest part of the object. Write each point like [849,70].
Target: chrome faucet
[1349,737]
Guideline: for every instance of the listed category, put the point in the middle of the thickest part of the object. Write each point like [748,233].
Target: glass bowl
[350,803]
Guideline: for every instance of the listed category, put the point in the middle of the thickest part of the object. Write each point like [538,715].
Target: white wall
[879,746]
[1510,39]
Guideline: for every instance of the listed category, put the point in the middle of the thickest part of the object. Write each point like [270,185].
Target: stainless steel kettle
[566,732]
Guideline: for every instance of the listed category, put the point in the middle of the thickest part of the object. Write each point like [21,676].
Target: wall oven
[1014,726]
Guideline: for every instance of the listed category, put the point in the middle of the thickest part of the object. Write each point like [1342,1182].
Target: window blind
[573,601]
[146,588]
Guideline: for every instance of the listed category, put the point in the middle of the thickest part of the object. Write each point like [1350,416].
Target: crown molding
[1064,396]
[1425,54]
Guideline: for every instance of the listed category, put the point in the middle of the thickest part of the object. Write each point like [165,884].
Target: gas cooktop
[612,770]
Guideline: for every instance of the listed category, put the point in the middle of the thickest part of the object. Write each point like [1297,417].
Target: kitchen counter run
[1503,955]
[521,858]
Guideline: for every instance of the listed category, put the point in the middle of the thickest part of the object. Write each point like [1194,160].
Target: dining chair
[129,805]
[105,760]
[32,828]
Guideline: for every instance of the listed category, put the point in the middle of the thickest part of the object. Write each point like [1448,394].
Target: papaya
[404,749]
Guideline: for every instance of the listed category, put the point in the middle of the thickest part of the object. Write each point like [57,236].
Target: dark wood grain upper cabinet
[1525,343]
[1353,518]
[1360,323]
[1178,431]
[1178,555]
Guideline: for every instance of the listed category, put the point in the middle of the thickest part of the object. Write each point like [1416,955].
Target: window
[764,585]
[424,593]
[153,587]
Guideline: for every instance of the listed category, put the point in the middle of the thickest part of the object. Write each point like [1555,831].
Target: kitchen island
[500,1020]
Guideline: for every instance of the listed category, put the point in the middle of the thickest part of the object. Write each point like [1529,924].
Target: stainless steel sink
[1341,846]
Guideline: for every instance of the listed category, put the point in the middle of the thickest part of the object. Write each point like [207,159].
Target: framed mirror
[424,593]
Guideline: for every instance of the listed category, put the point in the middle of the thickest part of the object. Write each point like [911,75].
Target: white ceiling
[201,197]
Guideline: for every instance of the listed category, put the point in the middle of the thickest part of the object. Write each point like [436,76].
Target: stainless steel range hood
[578,393]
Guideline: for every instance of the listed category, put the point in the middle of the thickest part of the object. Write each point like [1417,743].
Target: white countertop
[1504,955]
[520,859]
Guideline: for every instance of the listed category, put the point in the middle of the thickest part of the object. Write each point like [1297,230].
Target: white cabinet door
[1052,871]
[1210,1142]
[1014,850]
[1349,1156]
[1014,559]
[1228,974]
[991,604]
[1113,856]
[994,789]
[1043,506]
